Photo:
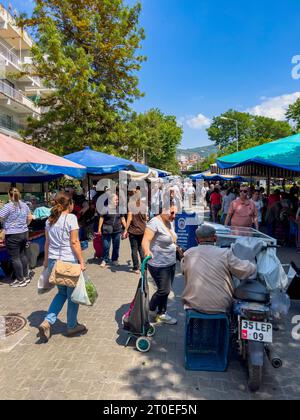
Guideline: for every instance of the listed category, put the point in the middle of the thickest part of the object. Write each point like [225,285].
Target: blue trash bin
[207,342]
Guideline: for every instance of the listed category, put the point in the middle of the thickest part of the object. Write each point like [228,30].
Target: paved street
[97,366]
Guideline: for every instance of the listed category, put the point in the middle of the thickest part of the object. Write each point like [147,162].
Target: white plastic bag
[43,283]
[80,295]
[270,270]
[280,304]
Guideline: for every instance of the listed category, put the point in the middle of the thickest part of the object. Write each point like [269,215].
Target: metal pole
[237,135]
[89,190]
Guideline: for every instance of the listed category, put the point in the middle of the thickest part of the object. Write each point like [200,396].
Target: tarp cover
[20,162]
[98,163]
[283,153]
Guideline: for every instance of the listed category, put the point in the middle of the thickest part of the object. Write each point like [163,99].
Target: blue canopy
[162,174]
[98,163]
[208,176]
[283,153]
[21,162]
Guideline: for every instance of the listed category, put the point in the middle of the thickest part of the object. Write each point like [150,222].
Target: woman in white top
[62,243]
[160,243]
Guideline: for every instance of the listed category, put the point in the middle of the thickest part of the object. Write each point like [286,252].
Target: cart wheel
[143,344]
[151,332]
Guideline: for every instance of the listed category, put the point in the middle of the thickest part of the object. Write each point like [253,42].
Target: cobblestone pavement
[97,366]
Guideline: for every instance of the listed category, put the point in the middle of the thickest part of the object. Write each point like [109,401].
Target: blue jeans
[64,294]
[115,239]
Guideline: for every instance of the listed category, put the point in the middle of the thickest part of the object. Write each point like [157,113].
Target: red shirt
[216,199]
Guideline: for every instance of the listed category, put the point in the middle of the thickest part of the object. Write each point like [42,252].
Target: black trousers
[16,248]
[136,249]
[163,278]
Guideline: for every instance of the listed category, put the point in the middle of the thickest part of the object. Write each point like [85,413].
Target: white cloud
[274,107]
[198,122]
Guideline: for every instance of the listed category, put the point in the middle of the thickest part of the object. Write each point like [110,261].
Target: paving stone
[97,366]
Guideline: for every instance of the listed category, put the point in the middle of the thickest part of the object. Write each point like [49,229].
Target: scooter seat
[252,291]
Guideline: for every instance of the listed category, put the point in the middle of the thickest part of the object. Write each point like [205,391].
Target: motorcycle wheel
[255,377]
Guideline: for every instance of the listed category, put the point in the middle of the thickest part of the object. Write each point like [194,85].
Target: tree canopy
[293,114]
[87,51]
[252,131]
[156,134]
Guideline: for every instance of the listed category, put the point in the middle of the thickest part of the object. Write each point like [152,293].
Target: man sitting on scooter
[208,271]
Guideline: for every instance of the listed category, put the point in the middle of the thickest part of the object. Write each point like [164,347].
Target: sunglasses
[244,191]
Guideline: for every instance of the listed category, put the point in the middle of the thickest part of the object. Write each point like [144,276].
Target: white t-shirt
[60,238]
[191,190]
[259,205]
[162,246]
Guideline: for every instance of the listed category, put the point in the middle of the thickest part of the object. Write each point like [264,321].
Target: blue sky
[206,56]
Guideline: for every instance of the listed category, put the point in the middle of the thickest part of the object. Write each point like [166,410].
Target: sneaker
[17,283]
[79,329]
[115,264]
[27,280]
[103,264]
[166,319]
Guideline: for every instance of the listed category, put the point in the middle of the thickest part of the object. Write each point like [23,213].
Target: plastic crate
[207,339]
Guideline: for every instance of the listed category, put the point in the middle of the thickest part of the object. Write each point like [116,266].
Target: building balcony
[9,126]
[22,104]
[15,36]
[14,64]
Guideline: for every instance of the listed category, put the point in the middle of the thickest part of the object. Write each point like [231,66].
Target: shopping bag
[270,271]
[85,292]
[44,286]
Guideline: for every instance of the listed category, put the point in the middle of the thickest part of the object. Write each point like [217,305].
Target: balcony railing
[7,18]
[10,124]
[14,94]
[12,57]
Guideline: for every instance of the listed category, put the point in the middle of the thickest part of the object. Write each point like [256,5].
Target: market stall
[213,177]
[278,160]
[22,164]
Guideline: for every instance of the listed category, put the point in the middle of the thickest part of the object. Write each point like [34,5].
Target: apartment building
[19,97]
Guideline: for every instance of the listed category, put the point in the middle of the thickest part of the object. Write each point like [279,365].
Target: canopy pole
[269,183]
[89,188]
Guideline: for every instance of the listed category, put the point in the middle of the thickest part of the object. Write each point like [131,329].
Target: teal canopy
[283,153]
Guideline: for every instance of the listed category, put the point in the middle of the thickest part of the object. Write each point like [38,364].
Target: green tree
[252,130]
[157,135]
[87,51]
[293,114]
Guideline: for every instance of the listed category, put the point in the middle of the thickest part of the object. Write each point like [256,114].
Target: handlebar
[144,265]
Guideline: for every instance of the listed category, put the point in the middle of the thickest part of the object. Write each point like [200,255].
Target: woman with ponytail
[62,243]
[16,217]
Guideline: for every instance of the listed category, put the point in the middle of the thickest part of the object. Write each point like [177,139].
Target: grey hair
[205,231]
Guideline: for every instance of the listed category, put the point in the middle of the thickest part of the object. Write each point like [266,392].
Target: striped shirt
[15,218]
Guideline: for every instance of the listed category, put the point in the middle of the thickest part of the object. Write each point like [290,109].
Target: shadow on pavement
[35,320]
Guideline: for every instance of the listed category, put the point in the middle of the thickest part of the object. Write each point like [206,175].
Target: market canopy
[283,154]
[98,163]
[20,162]
[209,176]
[161,173]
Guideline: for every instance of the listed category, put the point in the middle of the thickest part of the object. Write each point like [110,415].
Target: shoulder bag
[179,250]
[65,273]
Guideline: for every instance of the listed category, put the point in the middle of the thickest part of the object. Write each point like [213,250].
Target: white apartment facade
[19,97]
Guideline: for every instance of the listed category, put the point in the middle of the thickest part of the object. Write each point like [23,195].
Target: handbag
[65,273]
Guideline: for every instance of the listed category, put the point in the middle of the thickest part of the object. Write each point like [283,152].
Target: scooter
[253,328]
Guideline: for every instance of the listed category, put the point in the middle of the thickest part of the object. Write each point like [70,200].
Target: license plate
[257,331]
